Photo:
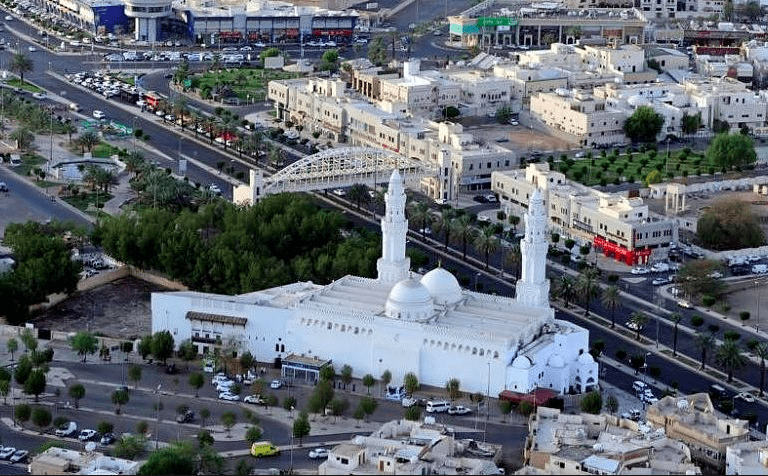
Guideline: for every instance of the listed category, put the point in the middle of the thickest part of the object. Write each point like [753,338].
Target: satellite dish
[90,447]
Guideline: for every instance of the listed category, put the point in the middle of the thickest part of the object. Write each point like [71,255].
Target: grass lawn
[634,166]
[29,162]
[104,150]
[82,201]
[16,83]
[242,81]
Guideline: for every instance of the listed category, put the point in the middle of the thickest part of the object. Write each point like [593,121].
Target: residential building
[400,321]
[747,458]
[65,461]
[728,101]
[560,443]
[409,447]
[694,421]
[424,93]
[619,226]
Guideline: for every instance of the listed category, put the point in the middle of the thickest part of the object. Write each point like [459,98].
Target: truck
[264,448]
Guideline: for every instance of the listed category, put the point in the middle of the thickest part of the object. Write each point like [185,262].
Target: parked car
[408,402]
[255,399]
[107,439]
[459,410]
[339,192]
[6,452]
[185,417]
[275,384]
[98,114]
[684,304]
[661,280]
[19,455]
[318,453]
[640,270]
[87,435]
[747,397]
[480,198]
[230,397]
[67,430]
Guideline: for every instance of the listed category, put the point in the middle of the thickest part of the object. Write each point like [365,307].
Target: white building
[398,322]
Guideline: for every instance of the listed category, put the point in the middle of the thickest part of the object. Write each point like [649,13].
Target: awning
[203,316]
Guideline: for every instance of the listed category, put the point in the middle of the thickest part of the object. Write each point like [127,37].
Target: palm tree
[276,155]
[444,223]
[566,288]
[21,64]
[588,287]
[675,317]
[638,320]
[487,242]
[611,299]
[704,340]
[729,356]
[358,193]
[761,350]
[134,162]
[69,129]
[514,258]
[421,213]
[24,138]
[89,140]
[464,231]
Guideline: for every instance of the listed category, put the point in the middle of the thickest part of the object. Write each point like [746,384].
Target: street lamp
[476,278]
[157,410]
[757,321]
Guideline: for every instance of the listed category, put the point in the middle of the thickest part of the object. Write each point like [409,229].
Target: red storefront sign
[318,32]
[620,253]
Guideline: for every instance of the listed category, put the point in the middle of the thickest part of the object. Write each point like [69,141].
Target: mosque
[400,321]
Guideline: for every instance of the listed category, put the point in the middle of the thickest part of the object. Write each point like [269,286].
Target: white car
[229,397]
[213,188]
[275,384]
[747,397]
[99,114]
[685,304]
[86,435]
[255,399]
[640,270]
[339,192]
[224,386]
[19,455]
[32,49]
[318,453]
[459,410]
[8,18]
[7,452]
[632,325]
[39,96]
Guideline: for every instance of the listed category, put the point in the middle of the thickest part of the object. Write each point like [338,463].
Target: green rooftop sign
[496,21]
[187,83]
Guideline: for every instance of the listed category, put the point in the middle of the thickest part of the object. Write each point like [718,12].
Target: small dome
[443,286]
[556,361]
[410,300]
[586,359]
[522,362]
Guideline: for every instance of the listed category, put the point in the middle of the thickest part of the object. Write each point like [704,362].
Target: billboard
[496,21]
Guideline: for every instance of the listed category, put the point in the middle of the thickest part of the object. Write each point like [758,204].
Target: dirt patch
[120,309]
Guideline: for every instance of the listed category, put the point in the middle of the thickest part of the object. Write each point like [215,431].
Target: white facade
[398,322]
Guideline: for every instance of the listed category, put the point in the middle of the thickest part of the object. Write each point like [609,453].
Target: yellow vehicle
[264,448]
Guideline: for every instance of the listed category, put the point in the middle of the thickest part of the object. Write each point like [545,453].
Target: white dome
[442,285]
[409,300]
[522,362]
[586,359]
[556,361]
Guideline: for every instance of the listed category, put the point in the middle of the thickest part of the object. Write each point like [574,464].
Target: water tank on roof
[562,92]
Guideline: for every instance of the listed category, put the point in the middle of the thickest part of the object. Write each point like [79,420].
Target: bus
[152,99]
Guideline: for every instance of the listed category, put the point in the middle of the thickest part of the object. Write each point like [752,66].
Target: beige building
[729,101]
[407,447]
[424,93]
[582,115]
[694,421]
[621,227]
[65,461]
[747,458]
[560,443]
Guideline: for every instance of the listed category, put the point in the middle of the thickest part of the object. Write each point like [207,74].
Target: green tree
[134,374]
[386,378]
[88,140]
[129,447]
[358,193]
[760,349]
[301,426]
[269,53]
[731,150]
[169,460]
[452,388]
[592,403]
[588,287]
[253,434]
[368,405]
[204,415]
[23,370]
[638,319]
[321,397]
[730,224]
[690,123]
[704,341]
[444,224]
[696,277]
[20,65]
[76,392]
[5,389]
[421,213]
[145,346]
[204,438]
[196,381]
[505,406]
[41,417]
[487,242]
[228,420]
[346,375]
[84,343]
[411,383]
[12,345]
[120,398]
[247,361]
[369,382]
[327,373]
[105,427]
[162,345]
[412,413]
[730,357]
[611,300]
[643,125]
[611,404]
[464,231]
[23,412]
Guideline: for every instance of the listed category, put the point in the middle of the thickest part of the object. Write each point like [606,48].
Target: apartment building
[589,119]
[424,93]
[481,93]
[658,8]
[620,227]
[694,421]
[728,101]
[560,443]
[747,458]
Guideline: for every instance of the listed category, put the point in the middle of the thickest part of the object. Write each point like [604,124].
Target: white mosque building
[400,321]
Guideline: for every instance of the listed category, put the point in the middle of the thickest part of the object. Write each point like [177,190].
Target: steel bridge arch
[343,167]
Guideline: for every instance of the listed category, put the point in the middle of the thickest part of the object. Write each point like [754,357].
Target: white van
[438,407]
[395,393]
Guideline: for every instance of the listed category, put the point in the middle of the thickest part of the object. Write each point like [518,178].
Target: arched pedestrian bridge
[335,168]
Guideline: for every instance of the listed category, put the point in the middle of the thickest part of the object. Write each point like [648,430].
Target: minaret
[393,266]
[532,289]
